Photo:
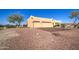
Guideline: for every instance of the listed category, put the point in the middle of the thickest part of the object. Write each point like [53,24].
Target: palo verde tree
[16,19]
[74,15]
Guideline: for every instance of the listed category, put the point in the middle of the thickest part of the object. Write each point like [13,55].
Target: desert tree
[16,19]
[74,15]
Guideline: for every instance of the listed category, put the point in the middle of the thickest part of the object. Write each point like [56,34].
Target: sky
[57,14]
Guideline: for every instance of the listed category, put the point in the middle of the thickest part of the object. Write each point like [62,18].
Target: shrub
[63,25]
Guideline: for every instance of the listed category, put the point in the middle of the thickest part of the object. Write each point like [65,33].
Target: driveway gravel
[38,39]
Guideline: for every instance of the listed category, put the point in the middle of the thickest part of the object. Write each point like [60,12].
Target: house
[38,22]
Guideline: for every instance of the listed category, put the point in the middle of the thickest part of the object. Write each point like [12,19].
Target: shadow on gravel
[53,29]
[56,34]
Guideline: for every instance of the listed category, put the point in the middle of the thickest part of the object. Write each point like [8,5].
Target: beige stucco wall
[37,22]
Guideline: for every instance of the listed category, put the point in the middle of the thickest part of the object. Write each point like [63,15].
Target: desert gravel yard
[36,39]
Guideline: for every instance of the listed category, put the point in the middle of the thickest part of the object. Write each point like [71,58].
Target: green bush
[78,26]
[10,26]
[7,26]
[1,28]
[63,25]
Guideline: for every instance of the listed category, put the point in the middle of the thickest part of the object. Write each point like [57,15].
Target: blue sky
[58,14]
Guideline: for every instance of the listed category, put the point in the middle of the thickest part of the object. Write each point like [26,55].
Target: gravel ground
[5,35]
[36,39]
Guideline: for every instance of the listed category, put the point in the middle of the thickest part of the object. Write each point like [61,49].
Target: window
[36,21]
[45,22]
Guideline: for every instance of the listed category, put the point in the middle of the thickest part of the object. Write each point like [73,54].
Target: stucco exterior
[38,22]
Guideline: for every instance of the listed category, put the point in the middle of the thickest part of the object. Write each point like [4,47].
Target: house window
[36,21]
[45,22]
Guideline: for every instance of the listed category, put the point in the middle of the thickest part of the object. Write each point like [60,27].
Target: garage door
[37,25]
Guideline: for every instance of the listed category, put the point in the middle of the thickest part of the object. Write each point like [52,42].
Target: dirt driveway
[36,39]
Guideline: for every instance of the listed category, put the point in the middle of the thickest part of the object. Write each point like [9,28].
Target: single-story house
[38,22]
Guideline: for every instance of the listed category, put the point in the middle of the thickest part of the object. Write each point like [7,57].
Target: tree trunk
[74,24]
[19,25]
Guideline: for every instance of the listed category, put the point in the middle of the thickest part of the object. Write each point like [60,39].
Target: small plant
[63,25]
[1,27]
